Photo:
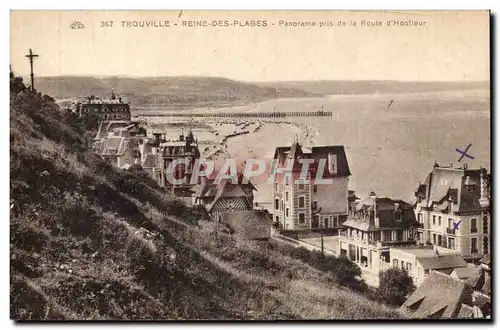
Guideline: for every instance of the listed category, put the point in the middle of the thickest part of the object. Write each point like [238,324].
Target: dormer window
[397,215]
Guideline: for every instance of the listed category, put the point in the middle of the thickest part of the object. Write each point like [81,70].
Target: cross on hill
[31,56]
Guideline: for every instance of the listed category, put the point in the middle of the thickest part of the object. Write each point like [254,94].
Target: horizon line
[252,81]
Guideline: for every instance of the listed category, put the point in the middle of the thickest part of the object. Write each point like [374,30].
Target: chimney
[484,199]
[373,196]
[157,138]
[332,163]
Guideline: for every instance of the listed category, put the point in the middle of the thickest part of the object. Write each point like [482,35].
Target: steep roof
[464,273]
[442,261]
[465,312]
[316,153]
[224,189]
[254,224]
[385,209]
[116,145]
[438,296]
[487,284]
[486,260]
[461,186]
[150,161]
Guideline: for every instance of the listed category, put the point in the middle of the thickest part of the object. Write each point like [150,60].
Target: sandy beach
[389,153]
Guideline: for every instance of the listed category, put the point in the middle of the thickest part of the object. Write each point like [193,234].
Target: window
[473,245]
[301,201]
[315,188]
[473,225]
[286,212]
[485,245]
[399,235]
[302,218]
[397,215]
[326,224]
[450,223]
[301,185]
[485,225]
[408,267]
[287,180]
[276,204]
[434,220]
[395,263]
[286,196]
[439,221]
[315,205]
[387,236]
[451,243]
[276,186]
[402,264]
[419,218]
[433,238]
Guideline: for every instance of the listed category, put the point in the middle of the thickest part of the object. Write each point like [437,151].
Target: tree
[345,270]
[395,286]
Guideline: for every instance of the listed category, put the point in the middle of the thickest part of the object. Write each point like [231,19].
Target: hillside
[90,241]
[334,87]
[175,92]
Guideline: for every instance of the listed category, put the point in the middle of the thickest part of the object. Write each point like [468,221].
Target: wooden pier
[235,114]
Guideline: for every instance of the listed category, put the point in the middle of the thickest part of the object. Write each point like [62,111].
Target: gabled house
[453,210]
[440,296]
[301,205]
[373,226]
[119,150]
[185,148]
[223,197]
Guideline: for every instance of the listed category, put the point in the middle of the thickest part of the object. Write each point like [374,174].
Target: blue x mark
[464,153]
[455,225]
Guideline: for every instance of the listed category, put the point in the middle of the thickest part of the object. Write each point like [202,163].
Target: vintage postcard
[250,165]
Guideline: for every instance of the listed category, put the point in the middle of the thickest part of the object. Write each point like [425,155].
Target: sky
[452,46]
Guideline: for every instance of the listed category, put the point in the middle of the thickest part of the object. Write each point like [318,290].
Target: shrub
[395,286]
[79,218]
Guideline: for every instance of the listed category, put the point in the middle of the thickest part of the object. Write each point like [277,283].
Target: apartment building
[453,210]
[304,203]
[373,226]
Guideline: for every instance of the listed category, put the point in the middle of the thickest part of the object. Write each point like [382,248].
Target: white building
[300,205]
[453,210]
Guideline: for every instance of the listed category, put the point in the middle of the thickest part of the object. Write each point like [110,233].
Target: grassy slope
[89,241]
[171,91]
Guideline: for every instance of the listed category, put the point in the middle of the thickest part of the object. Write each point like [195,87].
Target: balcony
[451,231]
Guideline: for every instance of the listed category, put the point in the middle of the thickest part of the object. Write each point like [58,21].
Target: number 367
[106,23]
